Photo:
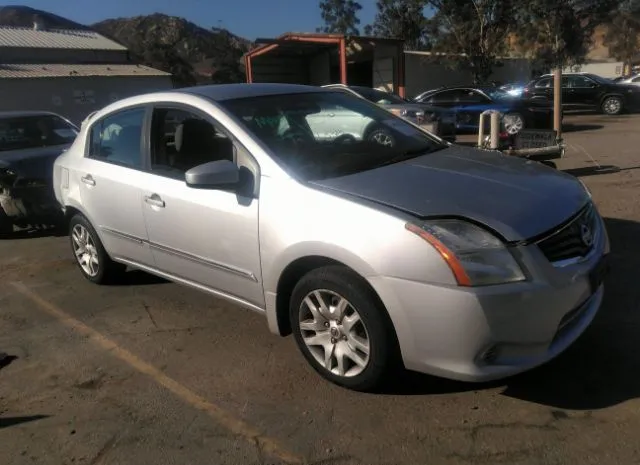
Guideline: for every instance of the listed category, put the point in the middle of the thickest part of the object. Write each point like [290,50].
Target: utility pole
[557,91]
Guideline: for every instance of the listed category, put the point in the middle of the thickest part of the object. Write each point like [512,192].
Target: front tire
[90,256]
[342,329]
[612,106]
[513,123]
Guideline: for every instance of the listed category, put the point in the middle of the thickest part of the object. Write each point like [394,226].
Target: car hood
[32,163]
[517,198]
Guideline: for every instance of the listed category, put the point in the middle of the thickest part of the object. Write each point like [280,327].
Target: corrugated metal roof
[55,38]
[15,71]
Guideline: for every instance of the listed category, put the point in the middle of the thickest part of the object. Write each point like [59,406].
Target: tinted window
[471,96]
[578,82]
[181,140]
[446,96]
[117,138]
[544,83]
[27,132]
[298,131]
[636,79]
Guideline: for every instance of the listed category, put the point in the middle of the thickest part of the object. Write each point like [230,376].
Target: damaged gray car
[30,142]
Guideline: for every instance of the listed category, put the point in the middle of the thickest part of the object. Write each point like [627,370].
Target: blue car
[469,102]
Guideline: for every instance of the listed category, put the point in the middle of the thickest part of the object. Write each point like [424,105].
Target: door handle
[88,180]
[154,200]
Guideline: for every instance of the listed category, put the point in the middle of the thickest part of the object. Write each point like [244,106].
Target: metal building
[70,72]
[318,59]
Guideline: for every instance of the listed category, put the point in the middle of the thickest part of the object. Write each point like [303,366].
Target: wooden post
[343,61]
[557,102]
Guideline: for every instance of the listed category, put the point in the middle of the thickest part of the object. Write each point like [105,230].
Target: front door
[208,237]
[580,92]
[110,176]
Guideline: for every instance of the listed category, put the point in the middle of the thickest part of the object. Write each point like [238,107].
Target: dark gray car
[30,142]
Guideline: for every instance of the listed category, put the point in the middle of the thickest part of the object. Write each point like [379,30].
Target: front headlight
[476,257]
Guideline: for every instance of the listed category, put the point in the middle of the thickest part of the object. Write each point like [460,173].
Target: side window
[446,96]
[471,97]
[117,138]
[544,83]
[577,82]
[181,140]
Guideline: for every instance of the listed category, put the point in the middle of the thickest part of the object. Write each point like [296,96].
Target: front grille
[573,240]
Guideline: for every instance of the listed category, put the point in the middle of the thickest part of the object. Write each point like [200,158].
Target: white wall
[422,72]
[606,70]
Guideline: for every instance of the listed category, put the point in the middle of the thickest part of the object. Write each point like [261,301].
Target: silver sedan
[412,253]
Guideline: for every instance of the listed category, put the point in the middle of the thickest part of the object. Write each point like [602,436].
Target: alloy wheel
[513,124]
[382,138]
[612,106]
[85,250]
[334,333]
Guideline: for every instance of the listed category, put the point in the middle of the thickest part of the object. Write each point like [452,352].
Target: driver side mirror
[220,174]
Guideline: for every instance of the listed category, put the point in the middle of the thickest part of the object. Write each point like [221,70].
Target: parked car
[29,144]
[444,259]
[586,91]
[440,121]
[632,80]
[470,102]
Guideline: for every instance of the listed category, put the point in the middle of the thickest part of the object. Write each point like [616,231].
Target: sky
[247,18]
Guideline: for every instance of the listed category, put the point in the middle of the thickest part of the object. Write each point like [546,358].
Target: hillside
[173,44]
[191,53]
[24,16]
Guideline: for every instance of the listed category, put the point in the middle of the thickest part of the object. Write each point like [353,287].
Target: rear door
[110,178]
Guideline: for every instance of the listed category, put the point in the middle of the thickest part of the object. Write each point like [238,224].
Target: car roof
[222,92]
[17,114]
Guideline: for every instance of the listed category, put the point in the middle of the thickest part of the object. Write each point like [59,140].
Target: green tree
[558,34]
[476,31]
[401,19]
[340,16]
[623,32]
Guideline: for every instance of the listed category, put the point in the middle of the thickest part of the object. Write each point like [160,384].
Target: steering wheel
[344,139]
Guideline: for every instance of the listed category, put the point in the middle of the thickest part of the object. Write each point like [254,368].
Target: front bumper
[487,333]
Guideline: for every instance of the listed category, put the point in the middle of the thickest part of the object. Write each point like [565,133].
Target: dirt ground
[154,373]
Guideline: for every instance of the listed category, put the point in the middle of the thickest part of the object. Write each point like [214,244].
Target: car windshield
[33,131]
[321,135]
[380,97]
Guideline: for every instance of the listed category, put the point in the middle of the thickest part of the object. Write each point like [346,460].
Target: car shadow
[599,369]
[569,127]
[138,278]
[594,170]
[13,421]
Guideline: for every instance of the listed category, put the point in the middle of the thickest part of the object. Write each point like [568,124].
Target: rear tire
[347,338]
[92,260]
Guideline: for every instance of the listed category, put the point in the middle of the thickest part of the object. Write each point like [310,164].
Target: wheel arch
[291,275]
